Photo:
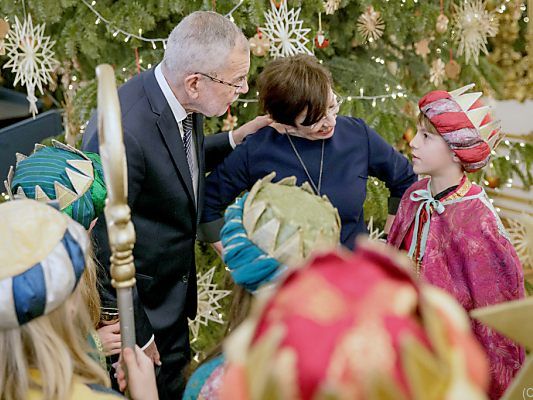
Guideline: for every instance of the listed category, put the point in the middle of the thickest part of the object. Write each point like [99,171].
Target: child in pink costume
[449,226]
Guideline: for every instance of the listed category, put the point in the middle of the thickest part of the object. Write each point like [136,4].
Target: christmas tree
[383,54]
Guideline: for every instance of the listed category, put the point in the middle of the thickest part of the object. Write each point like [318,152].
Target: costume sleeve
[222,186]
[388,165]
[217,147]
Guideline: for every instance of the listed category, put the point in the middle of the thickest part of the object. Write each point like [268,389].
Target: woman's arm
[390,166]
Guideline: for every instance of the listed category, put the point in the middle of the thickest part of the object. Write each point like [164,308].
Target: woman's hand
[110,338]
[141,376]
[250,127]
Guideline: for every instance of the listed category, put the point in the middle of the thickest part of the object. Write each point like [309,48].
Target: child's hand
[141,376]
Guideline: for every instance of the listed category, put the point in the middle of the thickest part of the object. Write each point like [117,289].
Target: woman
[334,154]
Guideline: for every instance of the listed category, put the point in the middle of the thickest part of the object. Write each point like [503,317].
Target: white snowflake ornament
[437,72]
[473,25]
[30,57]
[209,297]
[285,32]
[331,6]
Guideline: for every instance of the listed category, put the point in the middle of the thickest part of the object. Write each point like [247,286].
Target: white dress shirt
[179,115]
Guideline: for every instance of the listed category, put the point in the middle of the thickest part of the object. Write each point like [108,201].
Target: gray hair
[201,42]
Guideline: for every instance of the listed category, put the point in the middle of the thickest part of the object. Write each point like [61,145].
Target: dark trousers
[174,350]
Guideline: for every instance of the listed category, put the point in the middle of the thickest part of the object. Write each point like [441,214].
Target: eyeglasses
[237,87]
[332,110]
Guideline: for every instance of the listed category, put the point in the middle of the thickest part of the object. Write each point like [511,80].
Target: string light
[351,97]
[117,30]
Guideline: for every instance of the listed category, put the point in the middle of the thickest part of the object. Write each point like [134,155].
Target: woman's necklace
[316,189]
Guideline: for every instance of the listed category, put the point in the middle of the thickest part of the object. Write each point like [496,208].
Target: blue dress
[351,155]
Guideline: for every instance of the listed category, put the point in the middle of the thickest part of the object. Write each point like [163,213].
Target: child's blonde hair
[56,345]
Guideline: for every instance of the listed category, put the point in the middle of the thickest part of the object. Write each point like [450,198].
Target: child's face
[431,154]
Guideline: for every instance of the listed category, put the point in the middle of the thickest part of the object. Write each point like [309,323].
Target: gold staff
[117,212]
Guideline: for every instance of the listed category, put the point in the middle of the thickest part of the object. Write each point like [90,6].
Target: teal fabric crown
[61,173]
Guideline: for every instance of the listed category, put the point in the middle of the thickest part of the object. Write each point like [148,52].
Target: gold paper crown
[81,181]
[491,131]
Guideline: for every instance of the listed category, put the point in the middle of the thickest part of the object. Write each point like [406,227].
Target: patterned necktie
[187,140]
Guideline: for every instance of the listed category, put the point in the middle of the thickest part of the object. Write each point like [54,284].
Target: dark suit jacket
[160,195]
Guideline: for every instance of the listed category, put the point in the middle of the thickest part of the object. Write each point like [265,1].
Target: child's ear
[455,158]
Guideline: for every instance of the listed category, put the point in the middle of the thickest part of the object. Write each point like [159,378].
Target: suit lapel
[172,138]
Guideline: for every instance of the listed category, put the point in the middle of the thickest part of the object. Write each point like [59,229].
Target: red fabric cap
[433,96]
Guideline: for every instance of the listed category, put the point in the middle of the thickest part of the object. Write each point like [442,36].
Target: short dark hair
[290,85]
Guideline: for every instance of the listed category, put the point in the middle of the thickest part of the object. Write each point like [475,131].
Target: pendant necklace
[315,187]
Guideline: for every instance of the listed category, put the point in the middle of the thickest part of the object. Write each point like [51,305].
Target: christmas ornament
[521,235]
[30,57]
[442,23]
[374,233]
[518,76]
[320,39]
[4,29]
[209,297]
[453,69]
[259,45]
[230,122]
[422,48]
[284,29]
[473,25]
[370,25]
[493,181]
[437,72]
[331,6]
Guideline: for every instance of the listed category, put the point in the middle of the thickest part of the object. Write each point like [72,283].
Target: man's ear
[191,84]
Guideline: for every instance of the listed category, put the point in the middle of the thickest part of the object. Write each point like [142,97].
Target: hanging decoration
[230,122]
[442,23]
[473,25]
[4,29]
[437,72]
[320,39]
[370,25]
[209,297]
[30,57]
[442,20]
[422,48]
[259,44]
[453,68]
[284,30]
[331,6]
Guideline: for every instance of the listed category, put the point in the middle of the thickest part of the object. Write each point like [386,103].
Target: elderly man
[203,71]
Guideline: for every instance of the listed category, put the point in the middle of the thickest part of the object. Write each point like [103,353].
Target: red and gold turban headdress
[464,123]
[355,327]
